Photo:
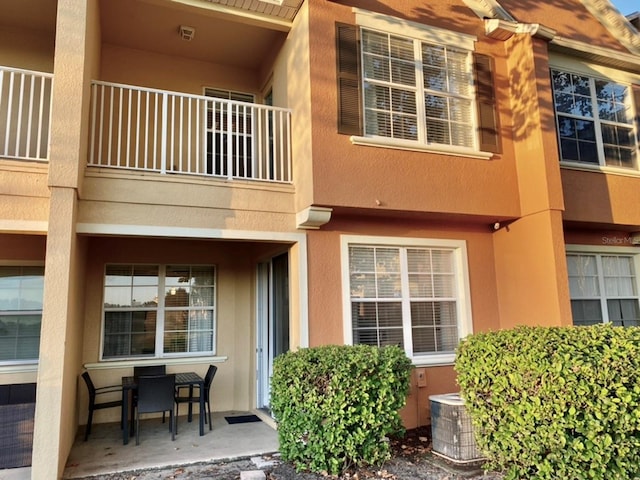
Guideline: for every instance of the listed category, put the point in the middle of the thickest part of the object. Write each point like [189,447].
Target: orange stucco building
[310,172]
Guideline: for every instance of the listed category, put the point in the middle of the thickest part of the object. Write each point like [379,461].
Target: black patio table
[185,379]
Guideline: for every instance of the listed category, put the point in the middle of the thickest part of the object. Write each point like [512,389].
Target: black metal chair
[191,398]
[146,370]
[94,405]
[156,394]
[149,370]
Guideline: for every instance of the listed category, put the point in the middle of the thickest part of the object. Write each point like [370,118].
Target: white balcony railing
[168,132]
[25,112]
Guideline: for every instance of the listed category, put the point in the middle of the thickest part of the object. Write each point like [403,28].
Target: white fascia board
[617,24]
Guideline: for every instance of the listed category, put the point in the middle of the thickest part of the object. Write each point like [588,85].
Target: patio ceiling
[287,10]
[238,33]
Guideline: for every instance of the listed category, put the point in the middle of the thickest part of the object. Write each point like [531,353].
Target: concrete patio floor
[105,454]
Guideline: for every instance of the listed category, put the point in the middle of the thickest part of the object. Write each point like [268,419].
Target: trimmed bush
[335,405]
[555,403]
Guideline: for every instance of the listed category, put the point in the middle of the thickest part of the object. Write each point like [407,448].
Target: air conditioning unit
[451,429]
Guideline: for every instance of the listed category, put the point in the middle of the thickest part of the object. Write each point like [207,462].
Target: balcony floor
[105,454]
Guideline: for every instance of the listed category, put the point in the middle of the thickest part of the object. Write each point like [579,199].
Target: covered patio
[105,454]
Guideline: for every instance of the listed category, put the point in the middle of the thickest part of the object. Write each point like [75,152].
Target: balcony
[25,108]
[167,132]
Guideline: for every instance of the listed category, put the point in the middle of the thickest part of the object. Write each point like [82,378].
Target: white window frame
[463,297]
[10,364]
[420,33]
[160,316]
[597,72]
[605,251]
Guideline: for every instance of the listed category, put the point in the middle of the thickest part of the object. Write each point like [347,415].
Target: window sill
[436,360]
[419,147]
[19,367]
[130,362]
[624,172]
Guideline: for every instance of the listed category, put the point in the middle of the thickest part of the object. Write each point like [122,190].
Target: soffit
[220,36]
[287,10]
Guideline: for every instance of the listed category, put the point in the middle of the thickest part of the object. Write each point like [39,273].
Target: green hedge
[555,403]
[335,405]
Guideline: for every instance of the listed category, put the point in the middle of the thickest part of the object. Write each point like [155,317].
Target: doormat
[242,419]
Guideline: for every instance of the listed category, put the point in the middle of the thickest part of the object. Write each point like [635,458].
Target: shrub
[552,403]
[335,405]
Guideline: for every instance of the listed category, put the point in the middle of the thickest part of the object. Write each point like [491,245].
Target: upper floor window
[604,288]
[412,295]
[410,85]
[415,90]
[158,311]
[594,119]
[21,296]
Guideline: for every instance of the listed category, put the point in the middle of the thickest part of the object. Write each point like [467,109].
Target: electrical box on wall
[421,375]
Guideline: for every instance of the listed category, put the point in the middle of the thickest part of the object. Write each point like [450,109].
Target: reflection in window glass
[21,296]
[138,321]
[594,119]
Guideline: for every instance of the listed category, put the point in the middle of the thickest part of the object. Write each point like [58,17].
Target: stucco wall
[361,176]
[598,198]
[178,202]
[326,290]
[148,69]
[26,48]
[25,194]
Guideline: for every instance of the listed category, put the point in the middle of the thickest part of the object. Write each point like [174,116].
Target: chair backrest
[156,393]
[149,370]
[22,393]
[90,386]
[208,378]
[4,394]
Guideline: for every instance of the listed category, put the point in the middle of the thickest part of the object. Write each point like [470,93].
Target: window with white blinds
[604,289]
[21,296]
[408,296]
[415,90]
[159,311]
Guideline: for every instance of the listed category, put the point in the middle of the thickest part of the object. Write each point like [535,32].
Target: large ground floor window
[159,311]
[413,294]
[604,288]
[21,294]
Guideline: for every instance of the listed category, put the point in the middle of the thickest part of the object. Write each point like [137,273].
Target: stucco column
[531,269]
[60,342]
[77,44]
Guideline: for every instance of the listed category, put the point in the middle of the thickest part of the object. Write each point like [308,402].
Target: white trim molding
[415,146]
[615,22]
[31,227]
[312,218]
[503,30]
[601,55]
[407,28]
[109,364]
[488,9]
[459,247]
